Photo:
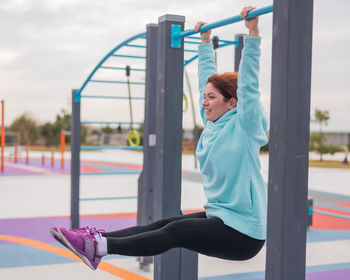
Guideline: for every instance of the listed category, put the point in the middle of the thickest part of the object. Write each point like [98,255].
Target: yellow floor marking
[112,269]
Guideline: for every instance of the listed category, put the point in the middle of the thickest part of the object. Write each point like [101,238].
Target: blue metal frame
[177,35]
[137,36]
[126,43]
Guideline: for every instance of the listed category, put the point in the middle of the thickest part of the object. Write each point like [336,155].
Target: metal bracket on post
[77,96]
[175,41]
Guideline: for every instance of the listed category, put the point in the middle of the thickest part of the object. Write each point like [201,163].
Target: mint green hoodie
[228,149]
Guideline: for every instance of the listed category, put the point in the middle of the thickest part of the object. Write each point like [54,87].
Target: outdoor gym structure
[289,137]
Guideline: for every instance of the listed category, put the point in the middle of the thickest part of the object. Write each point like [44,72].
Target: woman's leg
[151,227]
[208,236]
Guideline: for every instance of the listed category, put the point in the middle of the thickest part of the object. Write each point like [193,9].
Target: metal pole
[75,158]
[145,205]
[289,139]
[2,134]
[170,265]
[238,50]
[195,128]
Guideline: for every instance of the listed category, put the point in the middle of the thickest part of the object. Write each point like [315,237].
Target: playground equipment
[2,133]
[289,136]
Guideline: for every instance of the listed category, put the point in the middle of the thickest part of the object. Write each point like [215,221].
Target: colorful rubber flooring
[26,242]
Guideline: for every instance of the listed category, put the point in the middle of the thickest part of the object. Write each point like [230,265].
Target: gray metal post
[289,139]
[75,158]
[238,50]
[169,142]
[145,206]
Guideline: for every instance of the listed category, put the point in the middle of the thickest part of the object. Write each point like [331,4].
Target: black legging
[208,236]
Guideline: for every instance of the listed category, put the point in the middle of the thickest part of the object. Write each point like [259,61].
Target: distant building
[337,138]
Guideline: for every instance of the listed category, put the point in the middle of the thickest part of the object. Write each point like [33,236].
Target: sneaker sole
[55,234]
[80,255]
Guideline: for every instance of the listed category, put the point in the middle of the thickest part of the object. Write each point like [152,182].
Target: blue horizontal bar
[331,214]
[121,68]
[90,148]
[102,122]
[196,43]
[111,97]
[235,42]
[112,173]
[220,23]
[117,82]
[130,56]
[220,40]
[108,198]
[135,46]
[193,37]
[191,51]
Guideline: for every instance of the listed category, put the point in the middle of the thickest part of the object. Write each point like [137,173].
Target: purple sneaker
[56,234]
[83,244]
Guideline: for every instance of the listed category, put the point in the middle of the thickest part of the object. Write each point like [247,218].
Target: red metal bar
[27,154]
[16,153]
[63,143]
[52,158]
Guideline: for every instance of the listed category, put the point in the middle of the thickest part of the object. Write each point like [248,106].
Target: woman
[233,225]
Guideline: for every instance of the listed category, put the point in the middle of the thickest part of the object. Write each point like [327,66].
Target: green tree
[27,128]
[51,131]
[321,117]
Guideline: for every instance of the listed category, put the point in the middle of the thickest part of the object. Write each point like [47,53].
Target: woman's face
[215,104]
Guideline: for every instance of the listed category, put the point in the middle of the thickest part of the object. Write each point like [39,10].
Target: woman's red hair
[226,83]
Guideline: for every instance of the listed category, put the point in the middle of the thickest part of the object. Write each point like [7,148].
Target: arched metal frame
[126,43]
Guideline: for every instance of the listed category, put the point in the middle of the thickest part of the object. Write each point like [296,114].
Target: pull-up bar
[177,34]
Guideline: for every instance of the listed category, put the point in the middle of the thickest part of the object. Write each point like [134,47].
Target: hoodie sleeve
[206,68]
[248,94]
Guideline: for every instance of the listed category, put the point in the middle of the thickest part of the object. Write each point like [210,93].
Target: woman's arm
[248,105]
[206,64]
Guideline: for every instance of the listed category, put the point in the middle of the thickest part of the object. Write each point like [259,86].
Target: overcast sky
[47,48]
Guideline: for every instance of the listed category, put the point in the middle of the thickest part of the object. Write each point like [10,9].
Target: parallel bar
[111,173]
[89,148]
[111,97]
[220,23]
[117,82]
[108,198]
[121,68]
[103,122]
[135,46]
[129,56]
